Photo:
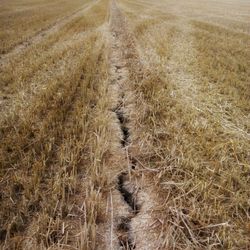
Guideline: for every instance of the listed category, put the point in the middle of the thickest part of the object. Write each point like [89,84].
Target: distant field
[20,20]
[124,124]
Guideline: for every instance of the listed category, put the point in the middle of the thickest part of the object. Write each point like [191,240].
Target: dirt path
[131,203]
[43,34]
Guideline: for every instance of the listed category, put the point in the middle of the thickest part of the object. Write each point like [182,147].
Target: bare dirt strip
[132,223]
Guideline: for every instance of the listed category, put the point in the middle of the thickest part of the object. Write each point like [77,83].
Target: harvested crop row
[29,145]
[201,165]
[32,68]
[227,72]
[21,20]
[50,148]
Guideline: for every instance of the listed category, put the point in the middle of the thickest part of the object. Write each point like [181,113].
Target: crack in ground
[126,188]
[125,237]
[130,223]
[128,196]
[124,234]
[125,130]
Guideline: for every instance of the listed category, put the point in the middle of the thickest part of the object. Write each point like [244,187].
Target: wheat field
[124,124]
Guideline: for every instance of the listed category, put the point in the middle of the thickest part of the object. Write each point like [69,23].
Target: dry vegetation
[47,139]
[20,20]
[128,122]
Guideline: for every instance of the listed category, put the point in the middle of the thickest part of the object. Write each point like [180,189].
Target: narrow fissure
[124,185]
[128,196]
[125,237]
[125,131]
[124,234]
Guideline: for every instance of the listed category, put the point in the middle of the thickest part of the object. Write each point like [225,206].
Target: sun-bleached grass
[54,150]
[60,140]
[39,61]
[20,20]
[40,131]
[228,71]
[198,148]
